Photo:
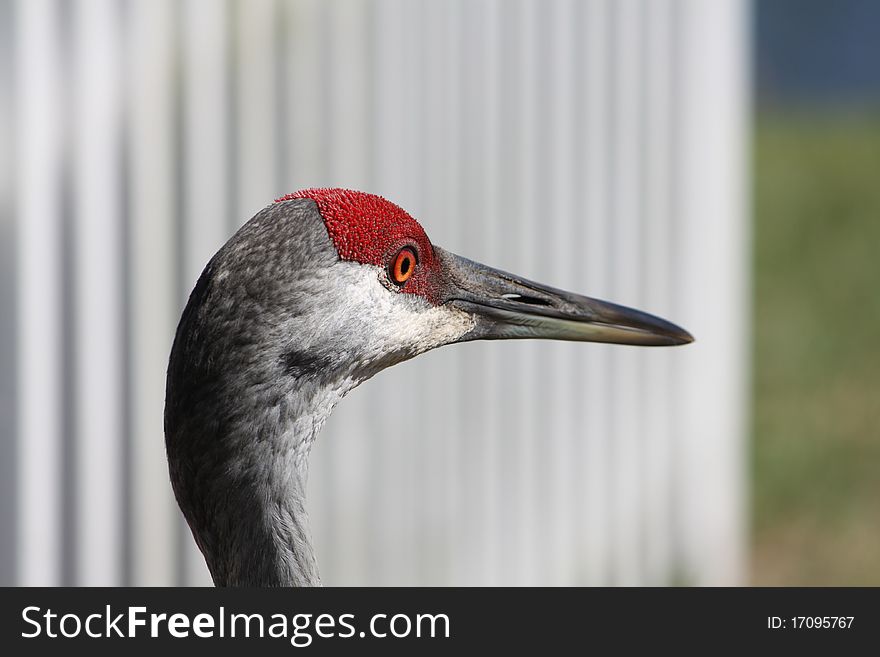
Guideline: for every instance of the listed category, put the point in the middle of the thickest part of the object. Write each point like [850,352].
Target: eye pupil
[404,266]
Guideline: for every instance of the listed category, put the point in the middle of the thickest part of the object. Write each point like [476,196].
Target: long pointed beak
[507,306]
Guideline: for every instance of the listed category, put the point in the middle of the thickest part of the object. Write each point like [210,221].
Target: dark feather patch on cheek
[299,364]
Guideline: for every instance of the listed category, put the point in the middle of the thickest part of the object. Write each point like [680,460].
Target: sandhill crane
[315,294]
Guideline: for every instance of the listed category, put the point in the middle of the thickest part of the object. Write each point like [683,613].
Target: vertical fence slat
[97,308]
[712,192]
[455,234]
[565,430]
[39,118]
[206,131]
[596,518]
[204,56]
[306,166]
[408,415]
[304,155]
[255,105]
[154,293]
[387,453]
[527,536]
[9,276]
[347,133]
[504,152]
[656,236]
[435,467]
[626,268]
[475,415]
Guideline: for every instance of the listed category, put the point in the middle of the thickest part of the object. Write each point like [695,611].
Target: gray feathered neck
[244,401]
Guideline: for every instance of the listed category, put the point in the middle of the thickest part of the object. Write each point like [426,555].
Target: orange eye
[403,267]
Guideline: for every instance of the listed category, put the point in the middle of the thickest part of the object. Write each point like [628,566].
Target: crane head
[336,285]
[425,296]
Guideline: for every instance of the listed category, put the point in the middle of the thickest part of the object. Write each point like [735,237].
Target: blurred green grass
[816,451]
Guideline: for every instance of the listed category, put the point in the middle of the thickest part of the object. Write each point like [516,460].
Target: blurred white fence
[597,146]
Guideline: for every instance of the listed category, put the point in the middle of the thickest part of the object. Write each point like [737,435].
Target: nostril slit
[519,298]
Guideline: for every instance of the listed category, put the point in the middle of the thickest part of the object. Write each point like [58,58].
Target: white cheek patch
[379,321]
